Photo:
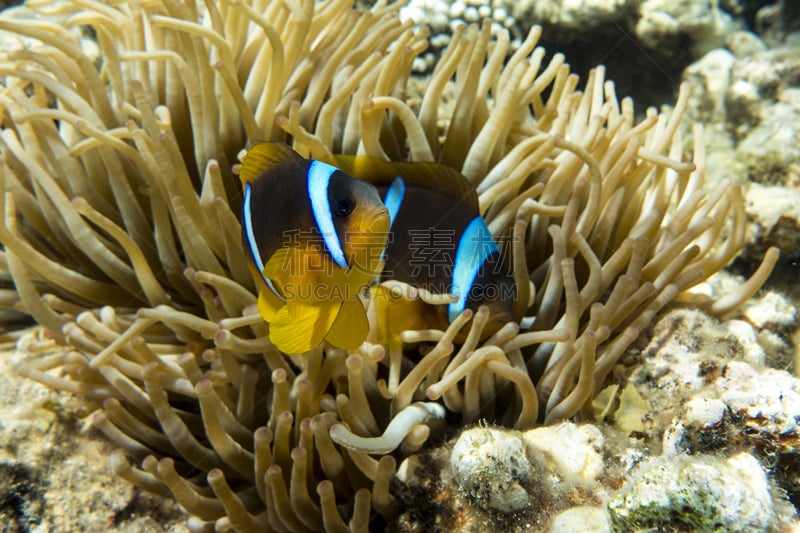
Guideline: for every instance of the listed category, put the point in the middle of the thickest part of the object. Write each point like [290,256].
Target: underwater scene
[422,266]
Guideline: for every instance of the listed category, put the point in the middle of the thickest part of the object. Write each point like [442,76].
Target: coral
[645,43]
[121,237]
[443,17]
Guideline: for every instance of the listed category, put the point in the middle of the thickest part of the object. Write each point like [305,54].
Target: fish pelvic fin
[397,313]
[351,327]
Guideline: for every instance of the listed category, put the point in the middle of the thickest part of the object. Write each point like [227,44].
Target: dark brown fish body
[438,240]
[427,233]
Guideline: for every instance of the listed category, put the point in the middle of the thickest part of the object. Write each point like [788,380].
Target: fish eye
[343,205]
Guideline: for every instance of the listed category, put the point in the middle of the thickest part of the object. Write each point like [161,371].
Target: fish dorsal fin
[425,175]
[262,156]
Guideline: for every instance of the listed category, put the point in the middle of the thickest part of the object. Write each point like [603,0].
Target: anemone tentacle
[120,235]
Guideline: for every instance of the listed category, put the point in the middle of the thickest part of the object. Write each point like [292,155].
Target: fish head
[362,223]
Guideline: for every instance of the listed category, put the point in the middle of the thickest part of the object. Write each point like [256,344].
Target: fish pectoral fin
[300,326]
[295,270]
[268,301]
[351,327]
[279,265]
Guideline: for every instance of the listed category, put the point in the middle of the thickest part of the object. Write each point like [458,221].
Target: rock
[572,453]
[769,400]
[778,22]
[775,212]
[751,350]
[771,149]
[708,394]
[668,24]
[490,466]
[710,78]
[772,311]
[692,358]
[686,348]
[757,82]
[699,492]
[633,408]
[585,519]
[576,15]
[780,349]
[744,43]
[54,474]
[710,82]
[705,413]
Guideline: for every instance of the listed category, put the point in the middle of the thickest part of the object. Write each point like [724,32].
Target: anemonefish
[315,238]
[438,241]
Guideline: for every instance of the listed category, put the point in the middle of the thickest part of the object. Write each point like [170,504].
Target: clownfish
[315,238]
[438,242]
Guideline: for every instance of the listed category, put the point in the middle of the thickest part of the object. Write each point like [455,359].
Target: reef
[121,238]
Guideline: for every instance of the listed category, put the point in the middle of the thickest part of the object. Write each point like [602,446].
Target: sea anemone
[121,238]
